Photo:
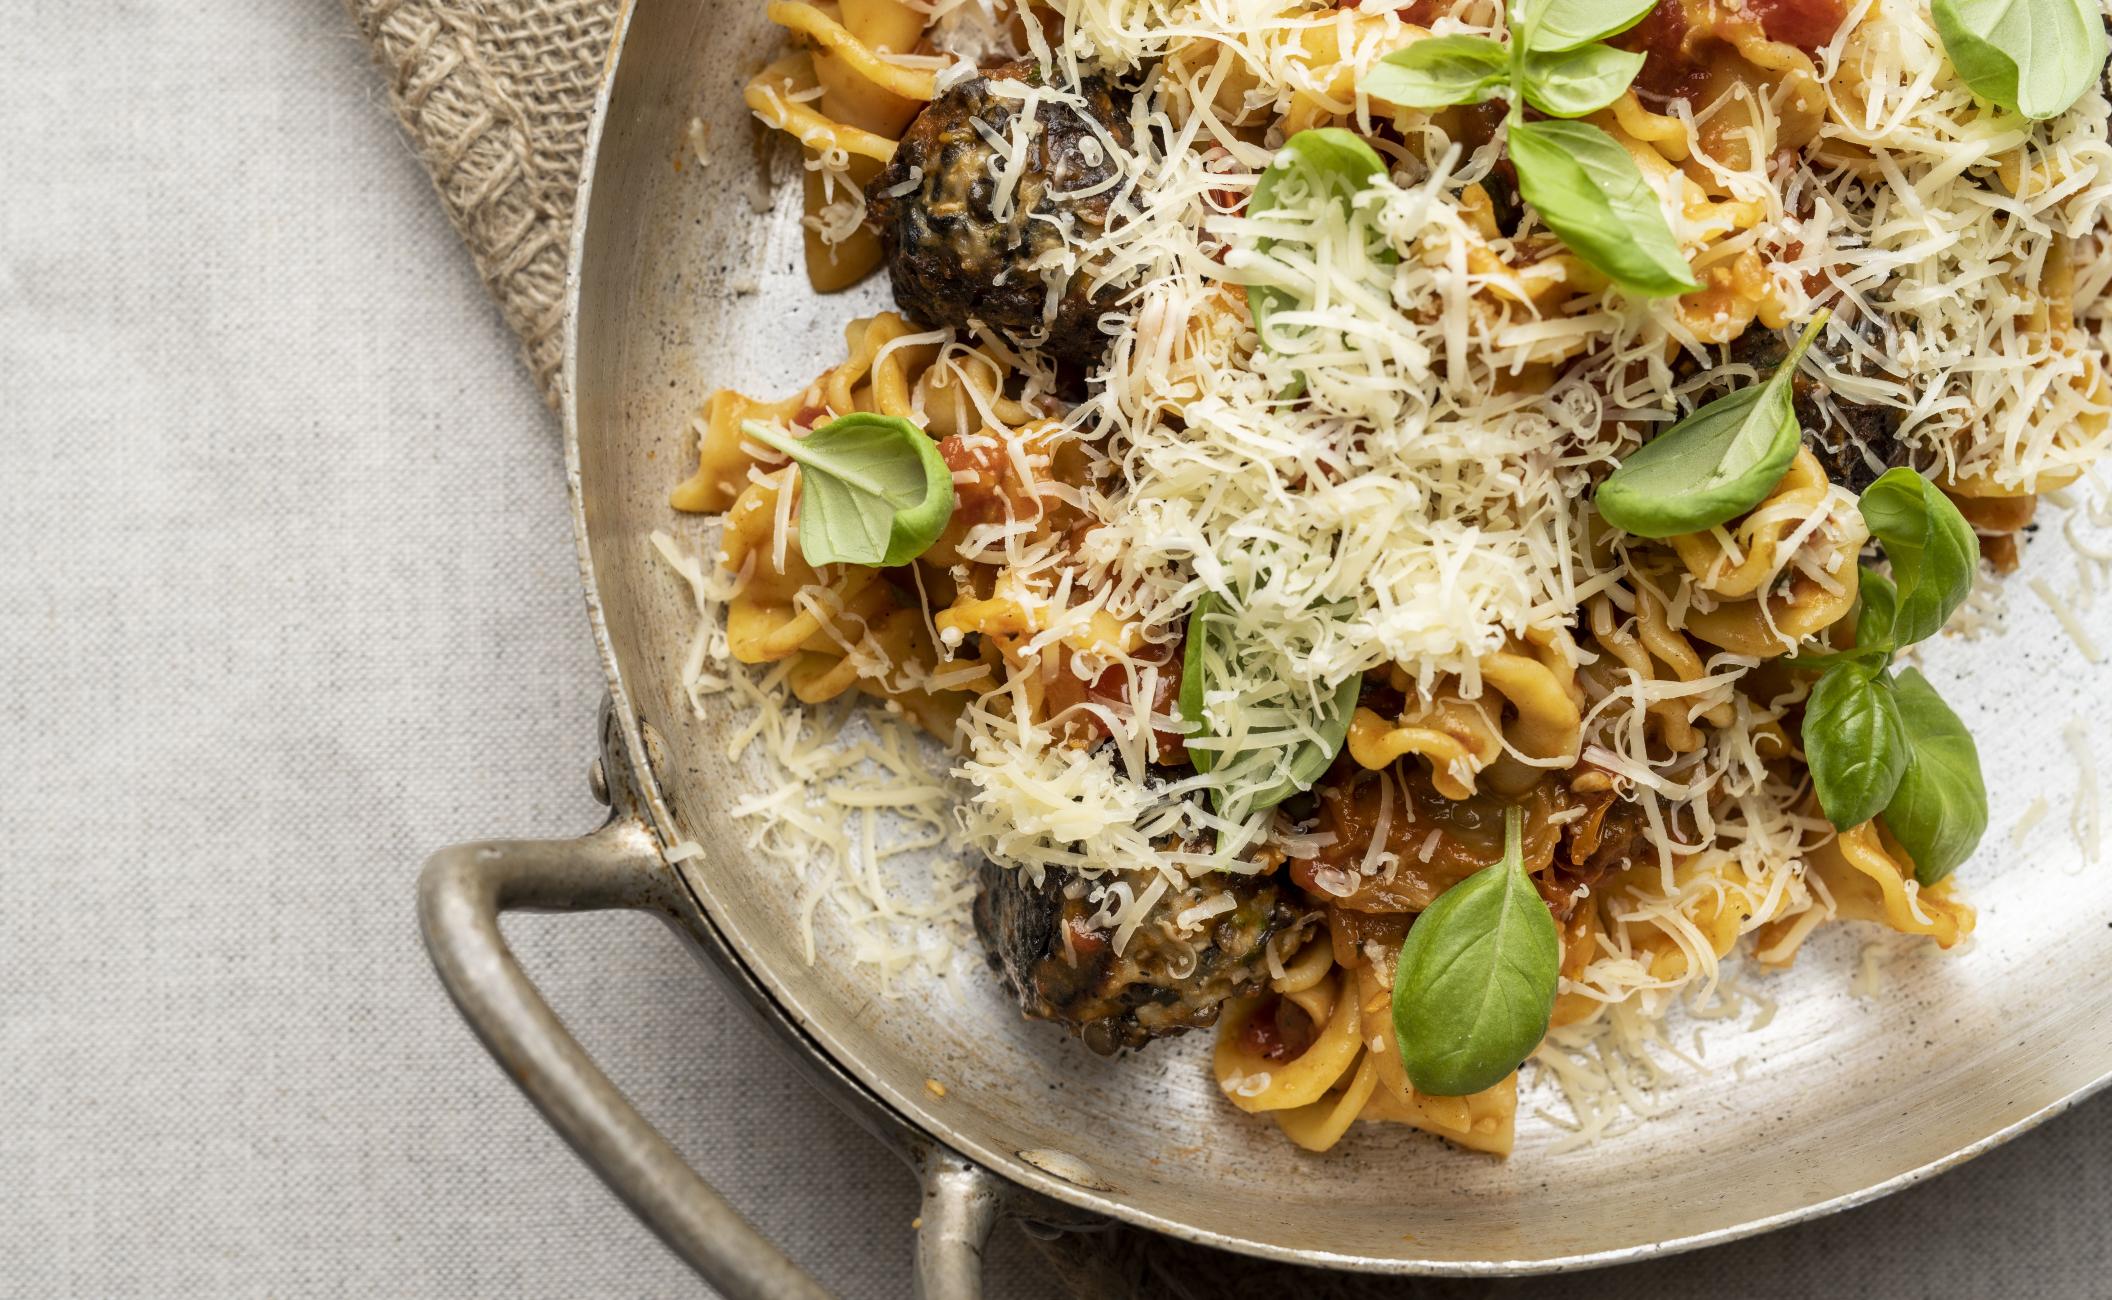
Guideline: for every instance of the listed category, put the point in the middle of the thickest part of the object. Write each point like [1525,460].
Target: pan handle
[461,893]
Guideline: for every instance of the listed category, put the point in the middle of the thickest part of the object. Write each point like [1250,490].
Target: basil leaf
[1876,611]
[1475,985]
[2034,57]
[1933,551]
[1210,645]
[1588,191]
[1854,744]
[874,489]
[1326,160]
[1572,83]
[1566,24]
[1940,810]
[1440,71]
[1193,670]
[1868,659]
[1714,465]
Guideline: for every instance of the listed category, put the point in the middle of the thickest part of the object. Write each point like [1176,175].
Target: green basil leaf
[2034,57]
[1475,985]
[1854,744]
[1209,652]
[1589,191]
[1877,610]
[1440,71]
[1565,24]
[874,489]
[1571,83]
[1714,465]
[1193,676]
[1325,160]
[1868,659]
[1933,551]
[1940,810]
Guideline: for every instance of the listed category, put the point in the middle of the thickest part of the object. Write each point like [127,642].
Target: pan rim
[906,1109]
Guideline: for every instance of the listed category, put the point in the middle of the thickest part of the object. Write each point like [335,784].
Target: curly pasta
[846,100]
[1785,572]
[1523,720]
[1349,1070]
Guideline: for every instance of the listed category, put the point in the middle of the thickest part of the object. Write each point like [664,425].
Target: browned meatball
[1065,969]
[961,254]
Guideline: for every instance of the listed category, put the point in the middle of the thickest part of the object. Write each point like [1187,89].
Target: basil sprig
[1572,83]
[1213,656]
[1440,71]
[1567,24]
[1714,465]
[1933,551]
[1323,160]
[1939,812]
[1886,746]
[1856,768]
[1585,186]
[1588,191]
[2034,57]
[874,489]
[1475,985]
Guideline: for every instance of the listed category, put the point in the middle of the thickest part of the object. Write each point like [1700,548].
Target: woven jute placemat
[496,96]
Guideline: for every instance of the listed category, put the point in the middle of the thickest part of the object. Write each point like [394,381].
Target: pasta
[1276,597]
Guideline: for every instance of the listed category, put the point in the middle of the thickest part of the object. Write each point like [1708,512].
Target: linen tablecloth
[289,601]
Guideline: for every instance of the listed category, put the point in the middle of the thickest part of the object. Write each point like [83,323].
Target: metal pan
[684,279]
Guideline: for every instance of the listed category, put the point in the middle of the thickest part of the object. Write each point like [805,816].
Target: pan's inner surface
[690,280]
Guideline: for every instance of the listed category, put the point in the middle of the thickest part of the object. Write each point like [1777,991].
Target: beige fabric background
[288,600]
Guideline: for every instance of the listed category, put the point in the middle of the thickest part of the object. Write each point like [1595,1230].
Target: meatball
[1163,982]
[961,252]
[1855,442]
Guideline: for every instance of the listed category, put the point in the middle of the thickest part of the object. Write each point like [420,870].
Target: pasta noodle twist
[848,627]
[1349,1069]
[1785,572]
[1649,650]
[846,101]
[1528,704]
[1868,877]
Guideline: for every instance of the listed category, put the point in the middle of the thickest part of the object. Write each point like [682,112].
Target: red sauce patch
[1676,50]
[978,497]
[1669,72]
[1806,24]
[1112,686]
[1279,1031]
[1260,1037]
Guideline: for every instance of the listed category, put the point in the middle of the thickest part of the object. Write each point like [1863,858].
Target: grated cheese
[2064,613]
[837,795]
[2025,824]
[2083,818]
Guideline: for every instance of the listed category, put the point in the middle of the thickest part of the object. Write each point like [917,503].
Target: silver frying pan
[687,278]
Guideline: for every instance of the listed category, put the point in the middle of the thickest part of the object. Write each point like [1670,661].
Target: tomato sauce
[1806,24]
[1669,72]
[1678,38]
[1112,686]
[1278,1031]
[979,479]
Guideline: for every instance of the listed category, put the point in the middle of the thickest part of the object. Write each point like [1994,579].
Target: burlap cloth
[495,96]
